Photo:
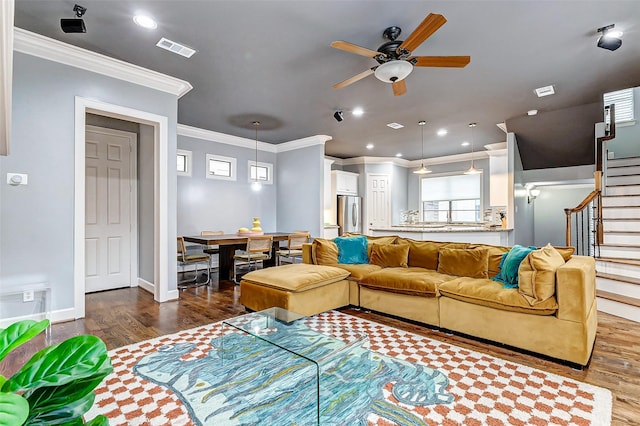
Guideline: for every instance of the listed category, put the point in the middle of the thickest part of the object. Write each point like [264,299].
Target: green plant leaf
[76,358]
[99,420]
[53,398]
[14,409]
[19,333]
[2,380]
[67,413]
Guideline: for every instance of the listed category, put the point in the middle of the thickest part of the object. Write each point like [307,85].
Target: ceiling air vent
[174,47]
[395,126]
[545,91]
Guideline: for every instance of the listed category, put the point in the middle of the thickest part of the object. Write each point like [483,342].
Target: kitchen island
[451,233]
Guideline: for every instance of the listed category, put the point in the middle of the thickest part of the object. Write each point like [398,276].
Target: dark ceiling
[272,60]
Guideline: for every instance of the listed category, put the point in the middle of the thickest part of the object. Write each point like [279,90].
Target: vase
[256,225]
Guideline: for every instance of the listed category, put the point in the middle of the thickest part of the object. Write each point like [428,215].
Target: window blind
[457,187]
[623,100]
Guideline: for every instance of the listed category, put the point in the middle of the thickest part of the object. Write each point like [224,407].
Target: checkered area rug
[486,390]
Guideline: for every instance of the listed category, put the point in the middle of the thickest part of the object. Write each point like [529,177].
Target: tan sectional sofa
[448,285]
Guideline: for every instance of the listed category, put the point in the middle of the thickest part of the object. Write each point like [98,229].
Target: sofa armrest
[576,288]
[307,253]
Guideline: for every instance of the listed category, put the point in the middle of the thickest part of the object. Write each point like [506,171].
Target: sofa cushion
[486,292]
[325,252]
[386,239]
[296,277]
[509,265]
[352,250]
[537,272]
[565,252]
[495,257]
[413,281]
[463,262]
[389,255]
[358,271]
[424,254]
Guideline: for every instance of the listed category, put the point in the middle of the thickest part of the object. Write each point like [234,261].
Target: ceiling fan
[394,56]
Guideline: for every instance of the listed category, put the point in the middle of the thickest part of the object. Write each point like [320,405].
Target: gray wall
[212,204]
[300,197]
[37,220]
[549,217]
[627,141]
[523,211]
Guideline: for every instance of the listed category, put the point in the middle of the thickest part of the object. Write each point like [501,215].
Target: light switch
[17,179]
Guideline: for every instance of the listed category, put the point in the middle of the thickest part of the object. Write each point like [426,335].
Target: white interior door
[109,182]
[378,201]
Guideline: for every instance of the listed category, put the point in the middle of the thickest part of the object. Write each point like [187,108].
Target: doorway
[162,268]
[111,249]
[378,201]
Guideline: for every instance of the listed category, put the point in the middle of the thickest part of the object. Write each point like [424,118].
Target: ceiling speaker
[73,25]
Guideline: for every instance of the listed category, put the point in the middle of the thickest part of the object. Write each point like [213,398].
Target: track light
[74,25]
[338,116]
[610,39]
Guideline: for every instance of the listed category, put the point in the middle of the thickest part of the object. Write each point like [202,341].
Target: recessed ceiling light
[442,132]
[399,154]
[532,112]
[357,112]
[395,126]
[465,143]
[369,146]
[545,91]
[145,22]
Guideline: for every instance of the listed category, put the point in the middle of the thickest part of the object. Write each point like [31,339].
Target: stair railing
[588,232]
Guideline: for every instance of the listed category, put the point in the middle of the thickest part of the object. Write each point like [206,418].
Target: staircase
[618,263]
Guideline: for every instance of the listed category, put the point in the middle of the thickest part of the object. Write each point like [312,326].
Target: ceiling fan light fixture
[393,71]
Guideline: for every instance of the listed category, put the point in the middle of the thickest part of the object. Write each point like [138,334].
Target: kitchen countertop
[438,228]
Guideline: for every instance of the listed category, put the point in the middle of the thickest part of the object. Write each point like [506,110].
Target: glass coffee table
[318,349]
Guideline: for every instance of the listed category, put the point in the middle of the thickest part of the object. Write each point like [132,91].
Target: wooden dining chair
[185,259]
[211,250]
[293,248]
[258,250]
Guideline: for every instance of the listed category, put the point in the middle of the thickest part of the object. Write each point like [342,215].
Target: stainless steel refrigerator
[349,214]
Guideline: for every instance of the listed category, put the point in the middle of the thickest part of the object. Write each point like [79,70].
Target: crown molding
[210,135]
[64,53]
[375,160]
[303,143]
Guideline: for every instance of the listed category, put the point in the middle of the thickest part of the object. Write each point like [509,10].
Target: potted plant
[56,385]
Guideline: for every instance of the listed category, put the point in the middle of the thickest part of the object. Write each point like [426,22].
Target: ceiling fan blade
[441,61]
[354,78]
[430,25]
[399,88]
[354,48]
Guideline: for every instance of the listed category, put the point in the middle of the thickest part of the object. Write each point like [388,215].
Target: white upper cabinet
[344,183]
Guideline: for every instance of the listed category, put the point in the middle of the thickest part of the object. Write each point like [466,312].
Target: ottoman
[300,287]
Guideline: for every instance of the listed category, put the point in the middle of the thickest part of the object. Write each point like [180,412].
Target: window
[623,100]
[184,162]
[447,199]
[263,172]
[219,167]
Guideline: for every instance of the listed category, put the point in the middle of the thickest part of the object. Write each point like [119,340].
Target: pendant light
[256,185]
[422,170]
[472,170]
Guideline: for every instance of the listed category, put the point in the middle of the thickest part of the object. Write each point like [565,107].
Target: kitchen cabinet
[344,183]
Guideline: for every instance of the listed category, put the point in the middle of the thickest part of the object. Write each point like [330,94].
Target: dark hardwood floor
[122,317]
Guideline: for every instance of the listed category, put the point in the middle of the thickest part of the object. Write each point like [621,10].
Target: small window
[623,100]
[184,162]
[219,167]
[263,172]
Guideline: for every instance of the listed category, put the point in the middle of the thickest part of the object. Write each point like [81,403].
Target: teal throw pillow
[509,265]
[352,250]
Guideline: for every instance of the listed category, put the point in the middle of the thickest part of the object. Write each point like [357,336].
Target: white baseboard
[61,315]
[146,285]
[173,295]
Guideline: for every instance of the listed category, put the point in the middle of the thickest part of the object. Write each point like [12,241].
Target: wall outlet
[28,296]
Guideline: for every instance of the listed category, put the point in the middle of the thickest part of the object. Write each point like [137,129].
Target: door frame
[365,224]
[133,196]
[160,125]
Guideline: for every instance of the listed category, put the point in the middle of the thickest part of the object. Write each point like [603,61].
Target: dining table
[229,243]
